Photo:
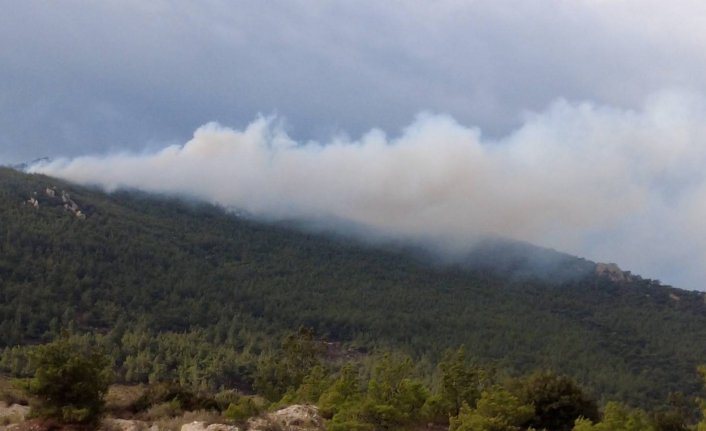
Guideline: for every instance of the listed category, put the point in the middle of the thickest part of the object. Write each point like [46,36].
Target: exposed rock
[194,426]
[612,272]
[221,427]
[258,424]
[33,425]
[13,413]
[69,204]
[66,198]
[297,417]
[201,426]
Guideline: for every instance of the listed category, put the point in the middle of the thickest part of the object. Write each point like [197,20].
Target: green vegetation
[187,293]
[459,384]
[557,401]
[617,417]
[285,371]
[382,392]
[497,410]
[70,381]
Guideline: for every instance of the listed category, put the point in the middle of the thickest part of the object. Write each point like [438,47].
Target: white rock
[221,427]
[201,426]
[258,424]
[194,426]
[14,411]
[297,417]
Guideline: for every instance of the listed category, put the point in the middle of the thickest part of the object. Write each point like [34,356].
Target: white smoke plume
[610,184]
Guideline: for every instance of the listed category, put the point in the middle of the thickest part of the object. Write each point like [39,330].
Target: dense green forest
[71,384]
[189,292]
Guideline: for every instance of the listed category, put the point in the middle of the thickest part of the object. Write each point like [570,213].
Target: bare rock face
[612,272]
[194,426]
[297,417]
[71,206]
[259,424]
[13,413]
[52,198]
[201,426]
[221,427]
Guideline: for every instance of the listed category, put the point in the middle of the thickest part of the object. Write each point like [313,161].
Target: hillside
[130,266]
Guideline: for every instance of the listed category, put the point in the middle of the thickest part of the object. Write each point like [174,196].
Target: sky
[578,125]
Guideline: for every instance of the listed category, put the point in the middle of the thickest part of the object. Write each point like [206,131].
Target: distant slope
[159,264]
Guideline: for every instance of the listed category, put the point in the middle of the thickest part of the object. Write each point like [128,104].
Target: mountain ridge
[169,266]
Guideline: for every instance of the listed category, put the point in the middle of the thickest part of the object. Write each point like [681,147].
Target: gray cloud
[595,180]
[608,179]
[79,77]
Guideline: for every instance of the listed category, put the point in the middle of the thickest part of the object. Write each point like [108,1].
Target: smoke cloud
[606,183]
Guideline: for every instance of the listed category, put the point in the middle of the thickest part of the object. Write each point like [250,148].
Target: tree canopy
[184,291]
[70,381]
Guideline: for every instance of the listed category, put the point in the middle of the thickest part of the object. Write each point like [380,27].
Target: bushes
[459,383]
[72,378]
[285,371]
[242,409]
[70,381]
[497,410]
[617,417]
[175,398]
[558,401]
[393,398]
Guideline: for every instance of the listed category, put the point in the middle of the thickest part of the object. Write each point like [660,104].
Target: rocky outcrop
[13,413]
[127,425]
[221,427]
[33,201]
[296,417]
[201,426]
[71,206]
[53,199]
[612,272]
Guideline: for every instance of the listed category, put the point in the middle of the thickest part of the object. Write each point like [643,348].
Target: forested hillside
[189,291]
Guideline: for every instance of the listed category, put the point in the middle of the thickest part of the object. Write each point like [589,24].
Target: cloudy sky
[574,124]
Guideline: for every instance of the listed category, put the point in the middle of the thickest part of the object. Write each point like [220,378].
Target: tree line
[175,290]
[386,391]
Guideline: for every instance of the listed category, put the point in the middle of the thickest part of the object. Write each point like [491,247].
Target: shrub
[244,408]
[70,381]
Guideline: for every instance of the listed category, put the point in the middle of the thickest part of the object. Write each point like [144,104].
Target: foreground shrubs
[558,401]
[497,410]
[388,392]
[70,381]
[180,397]
[245,407]
[617,417]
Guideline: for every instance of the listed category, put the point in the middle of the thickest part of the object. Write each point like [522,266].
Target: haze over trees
[190,294]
